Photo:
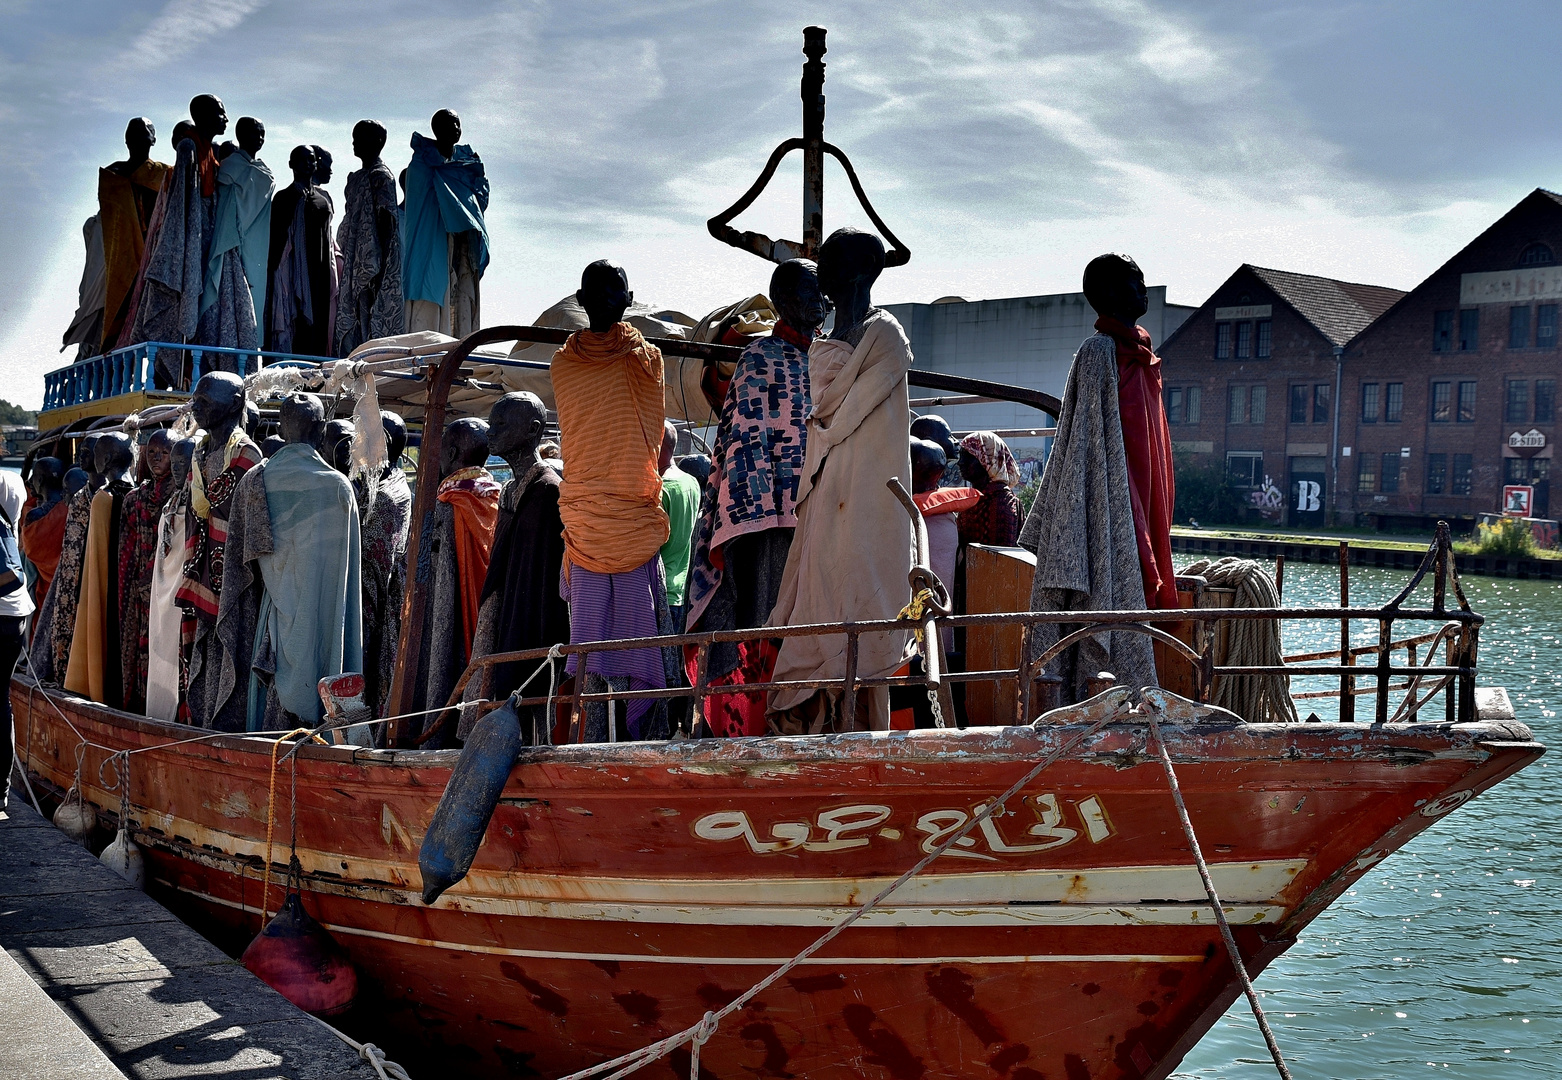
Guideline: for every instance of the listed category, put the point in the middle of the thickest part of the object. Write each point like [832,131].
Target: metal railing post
[1347,683]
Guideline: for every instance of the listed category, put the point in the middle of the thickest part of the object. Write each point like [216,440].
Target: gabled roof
[1339,310]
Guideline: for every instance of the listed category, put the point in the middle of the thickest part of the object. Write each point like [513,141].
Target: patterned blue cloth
[756,462]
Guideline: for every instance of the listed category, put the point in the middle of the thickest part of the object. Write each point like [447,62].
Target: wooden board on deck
[997,579]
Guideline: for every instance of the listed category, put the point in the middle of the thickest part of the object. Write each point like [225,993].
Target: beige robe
[89,644]
[461,313]
[162,659]
[851,554]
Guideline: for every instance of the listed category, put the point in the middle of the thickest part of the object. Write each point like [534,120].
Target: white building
[1022,340]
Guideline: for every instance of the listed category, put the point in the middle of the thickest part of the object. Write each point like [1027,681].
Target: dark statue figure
[251,135]
[337,445]
[115,456]
[301,419]
[369,302]
[465,445]
[604,293]
[299,263]
[47,480]
[218,405]
[849,263]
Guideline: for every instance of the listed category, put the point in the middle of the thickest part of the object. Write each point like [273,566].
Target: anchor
[814,148]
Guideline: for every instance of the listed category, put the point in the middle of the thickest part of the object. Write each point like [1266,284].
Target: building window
[1467,403]
[1298,404]
[1545,401]
[1516,411]
[1469,329]
[1321,403]
[1369,403]
[1393,402]
[1517,470]
[1546,326]
[1265,338]
[1236,405]
[1442,402]
[1222,341]
[1518,327]
[1192,404]
[1244,340]
[1436,473]
[1537,255]
[1245,471]
[1442,331]
[1460,481]
[1258,403]
[1390,481]
[1174,405]
[1366,472]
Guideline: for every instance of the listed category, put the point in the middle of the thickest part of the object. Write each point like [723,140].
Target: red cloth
[1147,445]
[946,500]
[738,714]
[206,166]
[474,496]
[41,539]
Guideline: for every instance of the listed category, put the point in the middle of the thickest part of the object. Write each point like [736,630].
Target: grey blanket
[1081,529]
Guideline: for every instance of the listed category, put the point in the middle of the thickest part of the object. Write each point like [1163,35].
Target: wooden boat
[625,890]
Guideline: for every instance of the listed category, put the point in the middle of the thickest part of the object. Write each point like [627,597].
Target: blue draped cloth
[244,189]
[443,197]
[310,622]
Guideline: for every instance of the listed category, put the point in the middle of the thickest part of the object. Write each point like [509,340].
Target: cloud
[181,27]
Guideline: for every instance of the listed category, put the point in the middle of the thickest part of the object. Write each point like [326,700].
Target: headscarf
[993,453]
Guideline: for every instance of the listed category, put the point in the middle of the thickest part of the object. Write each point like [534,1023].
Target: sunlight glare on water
[1446,959]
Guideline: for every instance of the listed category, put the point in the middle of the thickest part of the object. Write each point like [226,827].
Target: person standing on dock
[15,606]
[608,384]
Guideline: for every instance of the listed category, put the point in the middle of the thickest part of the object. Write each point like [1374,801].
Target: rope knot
[705,1029]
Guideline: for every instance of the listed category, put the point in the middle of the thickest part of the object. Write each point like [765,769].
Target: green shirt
[681,500]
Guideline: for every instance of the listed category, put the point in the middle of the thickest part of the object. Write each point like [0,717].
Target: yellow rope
[271,803]
[914,611]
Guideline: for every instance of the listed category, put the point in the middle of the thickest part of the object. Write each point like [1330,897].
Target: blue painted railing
[129,370]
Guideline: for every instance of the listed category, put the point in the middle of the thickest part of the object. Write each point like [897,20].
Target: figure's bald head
[516,425]
[465,445]
[301,419]
[395,437]
[847,258]
[604,293]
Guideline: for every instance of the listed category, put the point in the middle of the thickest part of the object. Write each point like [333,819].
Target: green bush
[1507,538]
[1203,494]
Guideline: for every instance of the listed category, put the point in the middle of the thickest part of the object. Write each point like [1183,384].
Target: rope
[914,611]
[271,802]
[1250,643]
[1214,900]
[628,1063]
[383,1067]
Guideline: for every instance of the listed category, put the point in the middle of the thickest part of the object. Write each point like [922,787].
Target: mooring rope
[1214,899]
[706,1027]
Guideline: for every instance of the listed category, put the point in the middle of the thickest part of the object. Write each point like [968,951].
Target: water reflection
[1448,956]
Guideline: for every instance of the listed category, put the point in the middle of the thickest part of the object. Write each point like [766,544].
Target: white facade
[1023,340]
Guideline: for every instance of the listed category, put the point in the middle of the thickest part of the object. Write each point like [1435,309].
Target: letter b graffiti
[1307,492]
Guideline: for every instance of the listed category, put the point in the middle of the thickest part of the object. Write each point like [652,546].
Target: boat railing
[1453,641]
[131,370]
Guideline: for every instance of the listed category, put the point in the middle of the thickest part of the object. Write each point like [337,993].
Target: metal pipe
[1347,699]
[813,140]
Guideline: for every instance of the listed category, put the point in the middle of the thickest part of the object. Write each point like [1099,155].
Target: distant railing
[130,370]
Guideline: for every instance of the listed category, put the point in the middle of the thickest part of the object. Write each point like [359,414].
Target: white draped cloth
[162,661]
[851,554]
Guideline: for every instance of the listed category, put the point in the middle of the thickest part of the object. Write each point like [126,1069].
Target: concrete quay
[98,980]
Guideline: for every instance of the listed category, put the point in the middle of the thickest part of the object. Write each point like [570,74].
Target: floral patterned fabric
[756,462]
[138,520]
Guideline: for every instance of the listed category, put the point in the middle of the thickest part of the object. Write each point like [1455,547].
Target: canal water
[1445,960]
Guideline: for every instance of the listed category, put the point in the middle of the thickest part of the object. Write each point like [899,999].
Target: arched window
[1537,254]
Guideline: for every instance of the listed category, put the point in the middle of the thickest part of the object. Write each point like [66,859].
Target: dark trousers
[12,639]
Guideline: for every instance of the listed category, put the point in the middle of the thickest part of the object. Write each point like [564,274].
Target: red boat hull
[623,890]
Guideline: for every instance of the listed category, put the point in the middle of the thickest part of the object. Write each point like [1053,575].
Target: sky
[1005,142]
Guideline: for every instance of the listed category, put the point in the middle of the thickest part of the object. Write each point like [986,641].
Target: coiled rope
[1251,643]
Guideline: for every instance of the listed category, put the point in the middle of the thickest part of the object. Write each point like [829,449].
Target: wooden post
[1347,682]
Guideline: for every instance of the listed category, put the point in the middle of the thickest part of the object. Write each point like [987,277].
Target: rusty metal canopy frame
[814,149]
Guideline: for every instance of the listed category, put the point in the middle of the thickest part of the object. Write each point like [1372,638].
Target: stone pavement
[155,997]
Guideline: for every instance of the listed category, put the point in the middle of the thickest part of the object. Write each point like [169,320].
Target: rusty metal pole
[1347,684]
[813,140]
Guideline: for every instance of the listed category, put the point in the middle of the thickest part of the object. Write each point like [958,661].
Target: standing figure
[453,557]
[1100,525]
[235,291]
[851,555]
[138,534]
[521,607]
[86,326]
[127,196]
[43,526]
[93,668]
[444,239]
[167,662]
[15,606]
[291,595]
[167,297]
[386,515]
[300,264]
[608,387]
[681,504]
[943,513]
[935,429]
[369,304]
[749,510]
[222,458]
[66,587]
[989,467]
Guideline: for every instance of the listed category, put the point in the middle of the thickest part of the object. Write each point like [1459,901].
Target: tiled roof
[1338,309]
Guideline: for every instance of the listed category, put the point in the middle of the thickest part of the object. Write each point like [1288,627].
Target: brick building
[1452,392]
[1251,380]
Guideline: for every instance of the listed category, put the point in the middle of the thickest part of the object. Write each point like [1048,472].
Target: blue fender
[463,813]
